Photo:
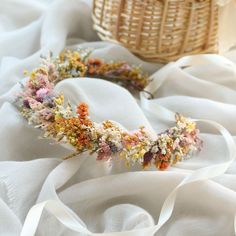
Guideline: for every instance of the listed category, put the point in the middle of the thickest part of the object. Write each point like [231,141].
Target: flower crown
[47,110]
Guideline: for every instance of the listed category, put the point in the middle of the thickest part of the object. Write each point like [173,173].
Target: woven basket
[159,30]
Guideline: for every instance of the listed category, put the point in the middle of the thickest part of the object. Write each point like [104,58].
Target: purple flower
[113,147]
[48,101]
[147,158]
[26,103]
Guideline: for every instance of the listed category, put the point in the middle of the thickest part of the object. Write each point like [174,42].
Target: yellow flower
[176,159]
[122,154]
[57,116]
[142,152]
[127,164]
[26,72]
[59,100]
[32,75]
[190,126]
[136,156]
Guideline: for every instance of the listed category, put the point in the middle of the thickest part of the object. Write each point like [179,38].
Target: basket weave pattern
[159,30]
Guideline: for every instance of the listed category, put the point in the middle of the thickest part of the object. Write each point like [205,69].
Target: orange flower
[82,110]
[163,165]
[93,65]
[94,62]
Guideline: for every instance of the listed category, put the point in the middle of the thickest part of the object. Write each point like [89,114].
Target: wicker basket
[159,30]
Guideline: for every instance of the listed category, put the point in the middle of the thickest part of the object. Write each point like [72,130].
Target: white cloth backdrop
[104,198]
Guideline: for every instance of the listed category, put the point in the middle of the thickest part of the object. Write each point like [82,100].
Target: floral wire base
[47,110]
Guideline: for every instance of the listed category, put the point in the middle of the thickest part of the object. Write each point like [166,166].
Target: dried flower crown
[47,110]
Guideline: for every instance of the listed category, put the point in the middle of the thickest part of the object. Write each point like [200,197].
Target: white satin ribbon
[163,113]
[68,168]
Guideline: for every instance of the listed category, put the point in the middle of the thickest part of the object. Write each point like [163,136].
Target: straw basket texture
[159,30]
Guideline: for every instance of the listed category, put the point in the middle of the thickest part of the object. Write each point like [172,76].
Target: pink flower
[176,143]
[34,105]
[42,80]
[46,114]
[104,152]
[125,66]
[41,93]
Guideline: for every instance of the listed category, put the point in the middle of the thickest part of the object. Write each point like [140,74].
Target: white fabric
[85,197]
